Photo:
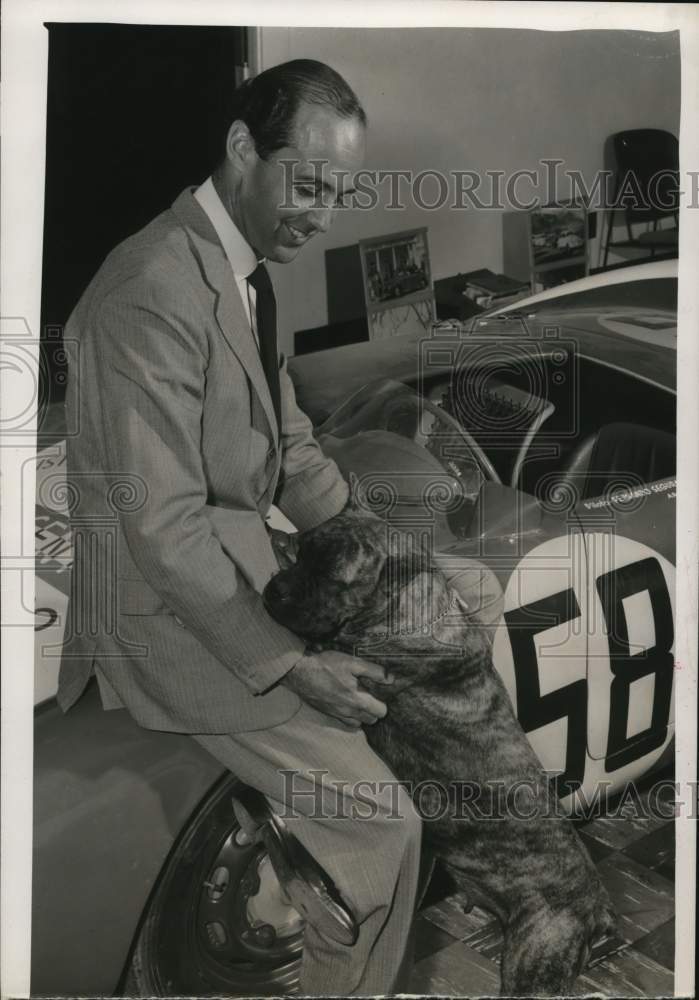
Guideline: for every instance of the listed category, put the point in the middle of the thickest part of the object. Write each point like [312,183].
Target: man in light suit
[187,434]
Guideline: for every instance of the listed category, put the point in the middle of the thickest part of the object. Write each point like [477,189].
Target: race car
[538,442]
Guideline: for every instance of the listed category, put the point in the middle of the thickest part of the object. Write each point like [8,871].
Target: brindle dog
[450,721]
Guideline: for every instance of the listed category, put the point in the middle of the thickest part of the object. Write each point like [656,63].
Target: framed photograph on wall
[558,234]
[397,281]
[547,246]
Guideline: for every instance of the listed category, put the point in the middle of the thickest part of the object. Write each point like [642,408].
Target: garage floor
[457,954]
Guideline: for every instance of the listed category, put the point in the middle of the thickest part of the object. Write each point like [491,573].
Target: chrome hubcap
[270,907]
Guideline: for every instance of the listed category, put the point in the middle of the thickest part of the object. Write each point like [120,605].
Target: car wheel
[217,922]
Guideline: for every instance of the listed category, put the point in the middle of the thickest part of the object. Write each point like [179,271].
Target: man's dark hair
[268,103]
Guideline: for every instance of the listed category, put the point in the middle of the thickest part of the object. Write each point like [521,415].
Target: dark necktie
[266,310]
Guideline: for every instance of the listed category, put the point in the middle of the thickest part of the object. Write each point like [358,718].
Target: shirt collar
[240,254]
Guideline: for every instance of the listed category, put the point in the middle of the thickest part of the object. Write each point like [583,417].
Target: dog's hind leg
[543,954]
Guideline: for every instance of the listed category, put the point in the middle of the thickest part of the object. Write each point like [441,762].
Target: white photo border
[24,60]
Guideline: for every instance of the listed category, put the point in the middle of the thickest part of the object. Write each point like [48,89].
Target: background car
[539,442]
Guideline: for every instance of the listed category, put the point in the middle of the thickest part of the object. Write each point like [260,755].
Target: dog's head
[346,571]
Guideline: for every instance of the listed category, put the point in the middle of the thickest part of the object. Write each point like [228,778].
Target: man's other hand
[331,683]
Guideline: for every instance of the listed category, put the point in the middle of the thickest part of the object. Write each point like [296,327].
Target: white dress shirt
[240,254]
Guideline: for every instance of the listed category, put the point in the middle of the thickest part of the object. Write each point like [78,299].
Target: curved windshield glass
[405,448]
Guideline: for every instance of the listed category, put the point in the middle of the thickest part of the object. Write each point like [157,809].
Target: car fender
[109,800]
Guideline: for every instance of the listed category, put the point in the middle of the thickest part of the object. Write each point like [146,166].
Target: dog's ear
[398,571]
[284,546]
[406,558]
[356,501]
[353,483]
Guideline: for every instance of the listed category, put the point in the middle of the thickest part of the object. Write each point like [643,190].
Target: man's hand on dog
[331,683]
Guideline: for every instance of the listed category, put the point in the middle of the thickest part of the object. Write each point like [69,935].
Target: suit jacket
[172,471]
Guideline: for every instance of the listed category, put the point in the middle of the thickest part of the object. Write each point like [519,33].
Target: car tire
[217,922]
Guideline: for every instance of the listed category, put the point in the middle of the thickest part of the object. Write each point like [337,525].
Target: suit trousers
[346,808]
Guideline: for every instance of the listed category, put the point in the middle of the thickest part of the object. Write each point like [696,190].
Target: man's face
[280,206]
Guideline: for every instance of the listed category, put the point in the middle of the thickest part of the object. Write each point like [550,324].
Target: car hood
[638,341]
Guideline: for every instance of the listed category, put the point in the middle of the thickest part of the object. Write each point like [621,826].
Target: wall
[473,99]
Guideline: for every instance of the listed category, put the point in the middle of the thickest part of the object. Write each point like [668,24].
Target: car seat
[619,454]
[651,157]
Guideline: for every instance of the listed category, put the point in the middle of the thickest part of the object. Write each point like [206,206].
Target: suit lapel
[230,311]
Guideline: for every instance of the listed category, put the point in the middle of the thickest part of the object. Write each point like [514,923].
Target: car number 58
[586,653]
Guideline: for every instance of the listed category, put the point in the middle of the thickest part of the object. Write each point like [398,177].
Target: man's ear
[240,145]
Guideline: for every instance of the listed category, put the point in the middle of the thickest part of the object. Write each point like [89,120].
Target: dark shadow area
[135,113]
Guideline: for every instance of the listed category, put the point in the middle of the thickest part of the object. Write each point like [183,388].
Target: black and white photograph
[395,267]
[397,282]
[349,499]
[560,232]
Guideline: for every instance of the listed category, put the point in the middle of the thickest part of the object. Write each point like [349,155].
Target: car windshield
[540,418]
[395,440]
